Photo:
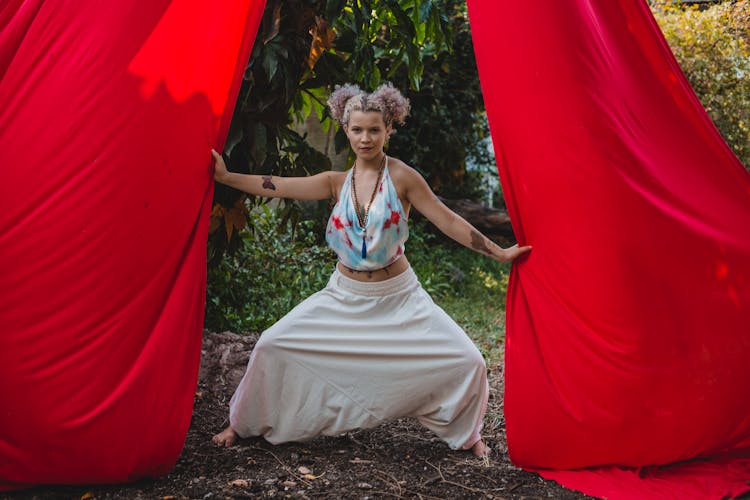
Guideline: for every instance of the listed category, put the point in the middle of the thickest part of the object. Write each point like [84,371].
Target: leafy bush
[712,47]
[272,271]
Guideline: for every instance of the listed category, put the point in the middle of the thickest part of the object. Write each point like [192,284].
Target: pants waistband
[389,286]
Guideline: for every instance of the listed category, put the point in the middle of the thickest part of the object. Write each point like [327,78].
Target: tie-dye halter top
[387,227]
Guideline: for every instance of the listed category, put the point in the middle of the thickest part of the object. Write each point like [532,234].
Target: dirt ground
[399,459]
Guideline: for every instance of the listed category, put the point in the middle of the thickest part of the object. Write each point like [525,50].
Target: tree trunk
[492,222]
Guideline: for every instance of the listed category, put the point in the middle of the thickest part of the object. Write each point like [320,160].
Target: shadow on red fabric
[108,112]
[628,326]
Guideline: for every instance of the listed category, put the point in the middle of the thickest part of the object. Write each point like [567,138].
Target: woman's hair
[385,99]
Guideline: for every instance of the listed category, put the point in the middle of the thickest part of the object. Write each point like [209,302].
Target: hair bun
[396,106]
[386,99]
[340,96]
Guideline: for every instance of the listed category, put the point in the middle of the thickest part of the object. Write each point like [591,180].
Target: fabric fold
[109,111]
[628,325]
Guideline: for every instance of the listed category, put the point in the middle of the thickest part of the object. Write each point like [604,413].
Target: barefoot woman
[371,346]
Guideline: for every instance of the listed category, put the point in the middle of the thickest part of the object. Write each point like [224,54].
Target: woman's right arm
[315,187]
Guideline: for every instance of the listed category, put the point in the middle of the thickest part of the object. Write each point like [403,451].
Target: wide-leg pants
[356,354]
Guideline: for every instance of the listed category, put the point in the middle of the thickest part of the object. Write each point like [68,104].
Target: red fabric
[108,111]
[628,326]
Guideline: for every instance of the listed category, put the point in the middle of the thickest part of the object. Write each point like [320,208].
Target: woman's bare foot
[227,437]
[481,450]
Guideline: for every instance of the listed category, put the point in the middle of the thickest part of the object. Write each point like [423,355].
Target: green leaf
[307,106]
[424,10]
[374,77]
[334,8]
[270,63]
[403,20]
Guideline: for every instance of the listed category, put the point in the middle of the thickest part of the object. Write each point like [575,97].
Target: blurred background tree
[712,45]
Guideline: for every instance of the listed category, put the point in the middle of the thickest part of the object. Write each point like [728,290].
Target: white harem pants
[356,354]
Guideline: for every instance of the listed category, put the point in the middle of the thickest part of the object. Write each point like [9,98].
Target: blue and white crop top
[387,228]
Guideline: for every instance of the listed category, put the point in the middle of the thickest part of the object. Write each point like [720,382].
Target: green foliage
[712,47]
[272,271]
[447,123]
[377,38]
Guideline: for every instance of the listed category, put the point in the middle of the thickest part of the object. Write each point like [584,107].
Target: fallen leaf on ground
[240,483]
[310,476]
[304,470]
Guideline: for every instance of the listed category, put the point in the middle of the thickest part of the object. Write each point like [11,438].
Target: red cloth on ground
[108,112]
[628,326]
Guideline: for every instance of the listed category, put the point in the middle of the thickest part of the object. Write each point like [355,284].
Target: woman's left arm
[422,198]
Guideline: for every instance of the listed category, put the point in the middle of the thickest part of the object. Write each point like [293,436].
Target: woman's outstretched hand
[220,168]
[512,253]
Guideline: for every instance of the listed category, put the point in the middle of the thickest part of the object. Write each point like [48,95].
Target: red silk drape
[108,113]
[628,326]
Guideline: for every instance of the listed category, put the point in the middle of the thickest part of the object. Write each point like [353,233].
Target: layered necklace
[362,214]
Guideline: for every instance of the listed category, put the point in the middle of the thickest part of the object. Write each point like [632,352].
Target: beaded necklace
[362,215]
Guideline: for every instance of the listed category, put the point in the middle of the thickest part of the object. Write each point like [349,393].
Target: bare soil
[399,459]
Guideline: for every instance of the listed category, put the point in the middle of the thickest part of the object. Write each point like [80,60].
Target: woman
[372,345]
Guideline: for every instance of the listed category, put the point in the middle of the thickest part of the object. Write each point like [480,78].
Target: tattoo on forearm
[478,243]
[267,184]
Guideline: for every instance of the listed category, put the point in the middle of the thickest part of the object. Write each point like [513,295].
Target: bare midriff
[390,271]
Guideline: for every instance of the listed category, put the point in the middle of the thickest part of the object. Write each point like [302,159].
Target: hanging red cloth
[628,326]
[108,113]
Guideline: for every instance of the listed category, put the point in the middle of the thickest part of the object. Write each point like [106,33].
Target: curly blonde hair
[386,99]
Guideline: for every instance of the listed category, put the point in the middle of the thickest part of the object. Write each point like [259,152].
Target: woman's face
[367,133]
